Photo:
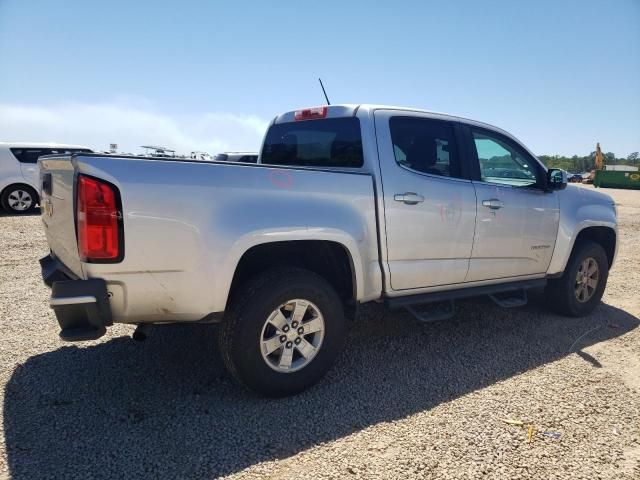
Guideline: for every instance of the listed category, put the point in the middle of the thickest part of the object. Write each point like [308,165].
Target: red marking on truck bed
[281,178]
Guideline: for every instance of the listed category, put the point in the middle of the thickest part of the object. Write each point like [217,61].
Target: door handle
[492,203]
[410,198]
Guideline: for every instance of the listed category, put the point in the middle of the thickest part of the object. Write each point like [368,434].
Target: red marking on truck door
[451,212]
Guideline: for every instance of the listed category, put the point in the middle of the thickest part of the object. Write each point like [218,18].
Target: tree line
[577,164]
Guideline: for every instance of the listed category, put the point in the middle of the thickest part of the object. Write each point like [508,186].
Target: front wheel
[282,332]
[582,284]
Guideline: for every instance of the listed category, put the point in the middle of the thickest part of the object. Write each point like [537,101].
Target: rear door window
[425,145]
[331,142]
[31,155]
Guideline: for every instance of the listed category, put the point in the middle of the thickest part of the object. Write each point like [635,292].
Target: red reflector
[311,113]
[98,221]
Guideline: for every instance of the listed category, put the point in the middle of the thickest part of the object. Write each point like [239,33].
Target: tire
[19,199]
[563,292]
[246,327]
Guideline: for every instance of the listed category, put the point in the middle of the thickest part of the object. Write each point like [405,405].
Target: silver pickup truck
[348,204]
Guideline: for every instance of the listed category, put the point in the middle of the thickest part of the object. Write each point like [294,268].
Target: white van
[19,172]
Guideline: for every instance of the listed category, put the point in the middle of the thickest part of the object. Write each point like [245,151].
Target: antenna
[324,91]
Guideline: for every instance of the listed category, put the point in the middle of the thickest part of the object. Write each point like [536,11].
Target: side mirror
[556,179]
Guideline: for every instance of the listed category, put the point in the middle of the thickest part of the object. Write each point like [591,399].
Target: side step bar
[511,299]
[395,303]
[433,312]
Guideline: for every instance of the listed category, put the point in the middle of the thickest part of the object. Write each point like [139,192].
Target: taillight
[99,221]
[311,113]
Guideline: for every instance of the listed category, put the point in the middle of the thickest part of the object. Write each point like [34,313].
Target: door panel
[515,239]
[517,220]
[429,217]
[30,173]
[28,159]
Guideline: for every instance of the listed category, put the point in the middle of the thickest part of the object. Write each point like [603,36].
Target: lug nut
[285,329]
[297,341]
[294,324]
[289,344]
[300,330]
[283,338]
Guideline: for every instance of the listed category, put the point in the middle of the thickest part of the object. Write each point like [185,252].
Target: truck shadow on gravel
[166,407]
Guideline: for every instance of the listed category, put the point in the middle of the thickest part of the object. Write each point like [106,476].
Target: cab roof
[349,110]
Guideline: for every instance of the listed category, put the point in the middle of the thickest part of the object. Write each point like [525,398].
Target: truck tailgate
[57,202]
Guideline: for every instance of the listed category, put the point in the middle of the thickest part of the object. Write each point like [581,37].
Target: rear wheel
[282,332]
[582,284]
[18,199]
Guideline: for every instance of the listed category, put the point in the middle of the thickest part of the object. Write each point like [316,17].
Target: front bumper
[81,306]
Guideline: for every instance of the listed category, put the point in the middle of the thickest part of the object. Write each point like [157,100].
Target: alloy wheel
[292,335]
[20,200]
[586,280]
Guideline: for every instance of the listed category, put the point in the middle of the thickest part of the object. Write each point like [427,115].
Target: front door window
[503,163]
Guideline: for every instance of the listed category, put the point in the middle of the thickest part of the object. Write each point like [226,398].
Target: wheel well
[24,185]
[330,260]
[604,236]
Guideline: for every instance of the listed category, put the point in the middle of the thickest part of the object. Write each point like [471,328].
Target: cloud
[98,125]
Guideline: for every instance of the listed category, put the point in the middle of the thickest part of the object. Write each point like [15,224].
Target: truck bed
[187,224]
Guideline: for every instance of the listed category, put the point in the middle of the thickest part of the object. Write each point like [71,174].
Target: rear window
[31,155]
[332,142]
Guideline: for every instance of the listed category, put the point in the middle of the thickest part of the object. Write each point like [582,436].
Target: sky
[209,75]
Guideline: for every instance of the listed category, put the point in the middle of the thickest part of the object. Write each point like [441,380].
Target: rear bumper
[81,306]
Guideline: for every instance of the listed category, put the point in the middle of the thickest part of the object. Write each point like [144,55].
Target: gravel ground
[405,400]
